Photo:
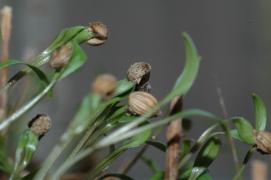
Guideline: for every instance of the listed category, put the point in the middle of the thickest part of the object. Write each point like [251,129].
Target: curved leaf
[208,153]
[159,145]
[260,112]
[244,129]
[119,176]
[124,86]
[190,71]
[150,163]
[37,71]
[234,134]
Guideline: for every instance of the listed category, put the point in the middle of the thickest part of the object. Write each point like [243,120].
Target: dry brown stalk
[259,170]
[6,17]
[174,130]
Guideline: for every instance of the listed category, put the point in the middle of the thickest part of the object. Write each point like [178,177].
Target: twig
[173,137]
[259,170]
[6,16]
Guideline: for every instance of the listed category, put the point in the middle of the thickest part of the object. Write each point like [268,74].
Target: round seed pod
[104,85]
[40,124]
[101,33]
[61,56]
[140,103]
[139,73]
[263,141]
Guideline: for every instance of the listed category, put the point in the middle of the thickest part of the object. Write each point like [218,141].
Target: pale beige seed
[40,125]
[61,56]
[263,141]
[101,33]
[104,85]
[141,103]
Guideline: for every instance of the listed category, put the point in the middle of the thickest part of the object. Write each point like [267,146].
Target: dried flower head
[101,33]
[104,85]
[139,73]
[61,56]
[40,124]
[140,103]
[263,141]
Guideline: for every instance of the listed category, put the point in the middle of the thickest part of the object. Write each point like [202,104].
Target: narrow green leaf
[234,134]
[260,112]
[118,176]
[185,148]
[124,86]
[158,175]
[190,71]
[150,164]
[208,153]
[25,149]
[77,60]
[245,130]
[157,144]
[37,71]
[205,176]
[197,172]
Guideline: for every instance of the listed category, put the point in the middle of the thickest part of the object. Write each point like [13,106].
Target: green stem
[30,104]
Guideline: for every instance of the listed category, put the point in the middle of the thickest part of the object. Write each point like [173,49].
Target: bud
[104,85]
[61,56]
[40,124]
[263,141]
[100,31]
[139,72]
[141,103]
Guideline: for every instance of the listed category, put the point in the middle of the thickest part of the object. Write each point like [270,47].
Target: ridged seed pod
[104,85]
[101,33]
[263,141]
[40,124]
[140,103]
[61,56]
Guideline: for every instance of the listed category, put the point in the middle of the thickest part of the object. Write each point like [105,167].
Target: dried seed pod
[139,73]
[104,85]
[140,103]
[61,56]
[101,33]
[263,141]
[40,124]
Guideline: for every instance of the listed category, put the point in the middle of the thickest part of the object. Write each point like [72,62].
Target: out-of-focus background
[232,36]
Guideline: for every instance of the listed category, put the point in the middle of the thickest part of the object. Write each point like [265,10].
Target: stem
[173,140]
[259,170]
[6,17]
[29,105]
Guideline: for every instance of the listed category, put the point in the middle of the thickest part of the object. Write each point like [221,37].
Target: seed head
[140,103]
[104,85]
[263,141]
[40,124]
[139,73]
[101,33]
[61,56]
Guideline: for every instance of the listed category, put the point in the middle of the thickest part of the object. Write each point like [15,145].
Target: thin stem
[30,104]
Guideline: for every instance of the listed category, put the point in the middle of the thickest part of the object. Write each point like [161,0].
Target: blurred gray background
[232,36]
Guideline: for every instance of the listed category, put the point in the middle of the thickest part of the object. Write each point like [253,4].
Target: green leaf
[126,118]
[76,61]
[150,163]
[205,176]
[158,176]
[245,130]
[208,153]
[118,176]
[37,71]
[26,147]
[190,71]
[260,112]
[159,145]
[138,139]
[123,87]
[185,148]
[197,172]
[234,134]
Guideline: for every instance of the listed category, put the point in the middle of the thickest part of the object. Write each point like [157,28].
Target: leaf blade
[260,112]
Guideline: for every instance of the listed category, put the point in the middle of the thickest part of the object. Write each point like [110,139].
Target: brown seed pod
[140,103]
[104,85]
[40,124]
[263,141]
[61,56]
[139,73]
[101,33]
